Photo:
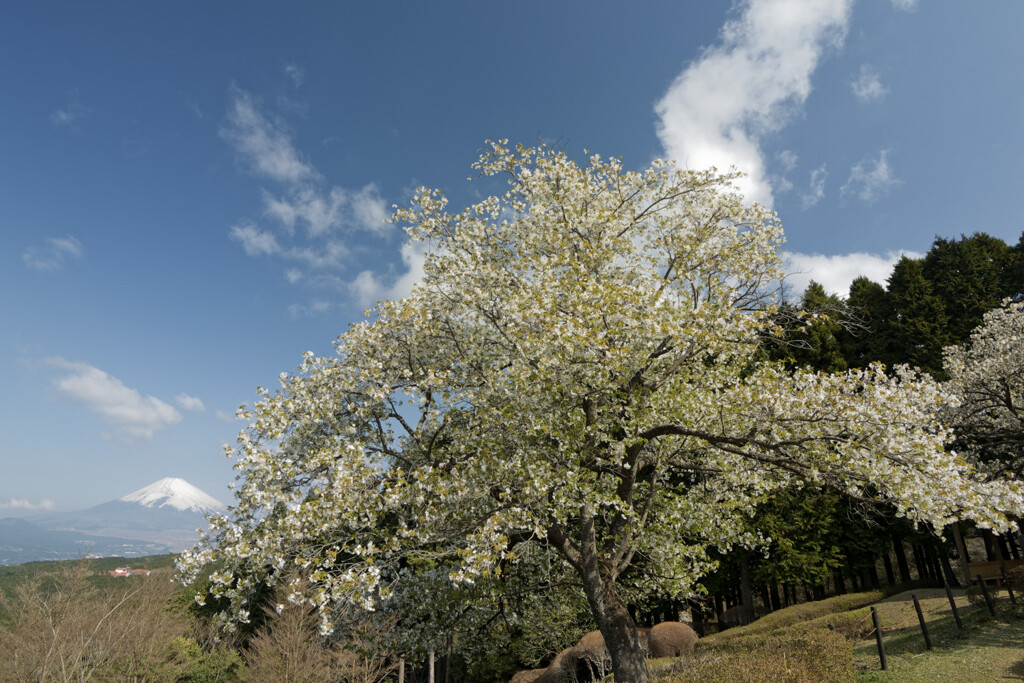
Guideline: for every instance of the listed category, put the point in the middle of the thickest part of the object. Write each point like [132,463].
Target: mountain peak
[177,493]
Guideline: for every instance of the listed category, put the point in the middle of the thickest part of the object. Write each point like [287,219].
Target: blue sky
[191,197]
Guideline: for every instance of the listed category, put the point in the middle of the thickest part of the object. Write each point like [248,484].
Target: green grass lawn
[989,649]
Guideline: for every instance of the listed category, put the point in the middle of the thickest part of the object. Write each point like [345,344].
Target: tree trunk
[1004,547]
[619,631]
[840,581]
[773,592]
[991,547]
[1012,543]
[890,575]
[698,616]
[901,558]
[448,661]
[613,619]
[746,592]
[931,553]
[947,570]
[961,551]
[923,571]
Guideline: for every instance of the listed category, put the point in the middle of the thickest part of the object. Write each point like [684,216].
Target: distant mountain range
[159,518]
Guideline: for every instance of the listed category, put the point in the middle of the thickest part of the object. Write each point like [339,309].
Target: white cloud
[108,396]
[69,115]
[186,402]
[752,83]
[370,211]
[870,179]
[311,222]
[266,147]
[835,273]
[867,87]
[25,504]
[905,5]
[788,159]
[256,242]
[369,288]
[327,255]
[320,212]
[295,73]
[816,190]
[317,307]
[53,254]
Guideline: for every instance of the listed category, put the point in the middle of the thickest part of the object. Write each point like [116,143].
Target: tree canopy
[575,380]
[987,376]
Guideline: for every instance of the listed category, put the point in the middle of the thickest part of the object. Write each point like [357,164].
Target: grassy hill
[833,640]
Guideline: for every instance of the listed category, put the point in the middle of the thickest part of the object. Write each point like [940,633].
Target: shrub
[975,596]
[799,613]
[852,626]
[815,656]
[288,647]
[1016,577]
[218,665]
[62,626]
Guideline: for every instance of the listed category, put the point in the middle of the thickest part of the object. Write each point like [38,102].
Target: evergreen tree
[864,335]
[918,328]
[969,277]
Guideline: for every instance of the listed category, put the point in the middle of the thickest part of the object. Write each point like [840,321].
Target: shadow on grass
[991,637]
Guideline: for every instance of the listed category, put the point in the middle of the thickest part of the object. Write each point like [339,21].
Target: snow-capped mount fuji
[176,493]
[167,513]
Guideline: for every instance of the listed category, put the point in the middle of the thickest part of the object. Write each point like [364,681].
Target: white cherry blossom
[575,377]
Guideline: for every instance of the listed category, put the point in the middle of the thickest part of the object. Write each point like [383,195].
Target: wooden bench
[991,572]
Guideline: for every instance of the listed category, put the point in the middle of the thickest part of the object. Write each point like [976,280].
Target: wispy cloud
[905,5]
[26,505]
[816,189]
[867,86]
[54,253]
[120,405]
[306,221]
[295,74]
[254,241]
[870,179]
[787,158]
[322,212]
[835,273]
[69,115]
[186,402]
[751,84]
[317,307]
[264,145]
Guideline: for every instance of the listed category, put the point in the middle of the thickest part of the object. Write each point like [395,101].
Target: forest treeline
[927,304]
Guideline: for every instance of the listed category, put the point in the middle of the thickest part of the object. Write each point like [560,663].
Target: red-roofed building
[128,571]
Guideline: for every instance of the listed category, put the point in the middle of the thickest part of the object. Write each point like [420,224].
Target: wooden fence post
[952,605]
[878,638]
[1006,582]
[988,598]
[924,626]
